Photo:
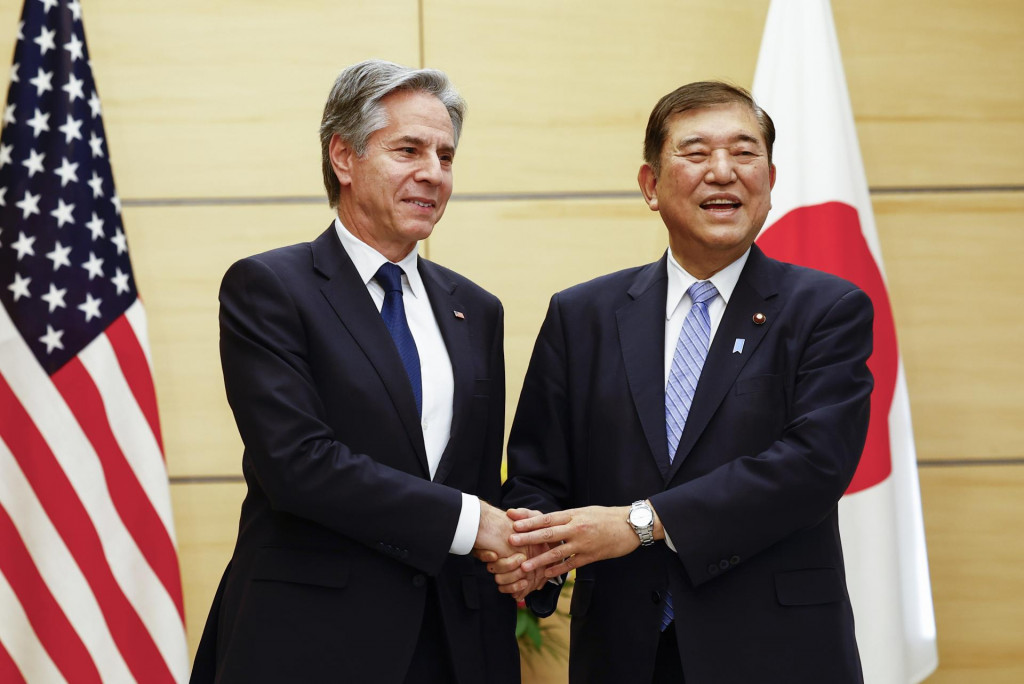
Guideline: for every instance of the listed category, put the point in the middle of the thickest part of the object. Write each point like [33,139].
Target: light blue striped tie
[687,362]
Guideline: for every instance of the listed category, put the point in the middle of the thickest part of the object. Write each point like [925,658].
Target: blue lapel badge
[737,347]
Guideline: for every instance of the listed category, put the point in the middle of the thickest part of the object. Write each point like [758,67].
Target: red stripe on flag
[52,627]
[135,368]
[61,503]
[79,391]
[9,672]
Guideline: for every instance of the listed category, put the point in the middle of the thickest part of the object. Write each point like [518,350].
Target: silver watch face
[641,517]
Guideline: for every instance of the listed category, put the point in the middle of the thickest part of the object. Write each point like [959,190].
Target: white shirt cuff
[469,523]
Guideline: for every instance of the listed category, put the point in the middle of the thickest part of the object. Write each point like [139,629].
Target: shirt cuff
[668,539]
[469,523]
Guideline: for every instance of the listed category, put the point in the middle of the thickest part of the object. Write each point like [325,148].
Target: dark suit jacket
[771,443]
[341,530]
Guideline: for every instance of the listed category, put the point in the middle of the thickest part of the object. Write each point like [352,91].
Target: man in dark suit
[686,430]
[368,389]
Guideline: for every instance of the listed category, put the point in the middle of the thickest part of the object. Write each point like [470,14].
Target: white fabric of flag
[90,589]
[822,217]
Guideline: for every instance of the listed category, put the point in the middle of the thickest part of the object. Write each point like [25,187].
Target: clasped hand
[549,545]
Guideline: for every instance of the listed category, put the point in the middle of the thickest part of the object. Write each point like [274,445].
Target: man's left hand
[578,537]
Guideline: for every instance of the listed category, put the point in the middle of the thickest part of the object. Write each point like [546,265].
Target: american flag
[89,584]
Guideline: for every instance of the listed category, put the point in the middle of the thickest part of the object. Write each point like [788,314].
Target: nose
[721,168]
[430,170]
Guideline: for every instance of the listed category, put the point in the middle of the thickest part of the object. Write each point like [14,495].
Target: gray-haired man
[368,389]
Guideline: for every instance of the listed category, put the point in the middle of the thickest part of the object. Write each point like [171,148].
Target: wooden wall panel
[559,92]
[972,521]
[560,102]
[206,520]
[937,89]
[953,264]
[524,252]
[222,98]
[179,255]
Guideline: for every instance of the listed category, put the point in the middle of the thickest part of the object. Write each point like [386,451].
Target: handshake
[524,548]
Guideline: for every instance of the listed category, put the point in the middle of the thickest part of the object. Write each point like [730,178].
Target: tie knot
[389,276]
[702,291]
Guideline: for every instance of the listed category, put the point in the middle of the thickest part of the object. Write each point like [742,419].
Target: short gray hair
[354,111]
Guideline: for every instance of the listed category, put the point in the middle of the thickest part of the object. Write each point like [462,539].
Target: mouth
[721,204]
[425,204]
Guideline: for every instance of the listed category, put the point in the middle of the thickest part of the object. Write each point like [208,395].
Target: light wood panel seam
[150,202]
[924,463]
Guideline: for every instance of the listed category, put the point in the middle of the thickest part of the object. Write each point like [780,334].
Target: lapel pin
[759,318]
[459,315]
[737,347]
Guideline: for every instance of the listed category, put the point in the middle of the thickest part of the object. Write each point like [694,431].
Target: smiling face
[714,187]
[393,194]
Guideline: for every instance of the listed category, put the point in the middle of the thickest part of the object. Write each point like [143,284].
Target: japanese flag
[821,217]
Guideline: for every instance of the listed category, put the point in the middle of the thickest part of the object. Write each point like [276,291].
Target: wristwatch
[641,519]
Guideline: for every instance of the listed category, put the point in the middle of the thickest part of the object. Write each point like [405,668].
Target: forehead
[720,124]
[419,113]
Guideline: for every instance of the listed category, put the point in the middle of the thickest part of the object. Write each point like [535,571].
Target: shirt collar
[367,260]
[679,281]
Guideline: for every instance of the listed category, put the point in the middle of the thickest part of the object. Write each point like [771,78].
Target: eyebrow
[420,142]
[698,139]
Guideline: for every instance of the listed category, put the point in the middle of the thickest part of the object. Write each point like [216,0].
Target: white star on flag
[40,123]
[52,339]
[55,297]
[90,307]
[34,163]
[59,256]
[63,213]
[42,81]
[20,287]
[67,172]
[29,205]
[94,266]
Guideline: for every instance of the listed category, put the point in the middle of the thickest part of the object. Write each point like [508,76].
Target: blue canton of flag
[64,268]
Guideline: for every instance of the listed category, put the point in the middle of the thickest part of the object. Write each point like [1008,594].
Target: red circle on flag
[828,237]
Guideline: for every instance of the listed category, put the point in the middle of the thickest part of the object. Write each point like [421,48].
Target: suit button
[655,597]
[724,564]
[419,581]
[713,569]
[734,560]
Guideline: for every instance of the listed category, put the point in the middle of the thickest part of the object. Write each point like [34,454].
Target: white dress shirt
[435,366]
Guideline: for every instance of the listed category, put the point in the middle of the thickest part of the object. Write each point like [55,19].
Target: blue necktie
[687,362]
[393,312]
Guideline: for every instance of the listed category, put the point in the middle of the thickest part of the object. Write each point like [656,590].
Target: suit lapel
[755,293]
[455,332]
[641,326]
[347,295]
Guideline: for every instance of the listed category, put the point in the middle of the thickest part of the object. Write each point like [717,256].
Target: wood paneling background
[212,107]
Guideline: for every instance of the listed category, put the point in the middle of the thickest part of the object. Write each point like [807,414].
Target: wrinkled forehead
[726,123]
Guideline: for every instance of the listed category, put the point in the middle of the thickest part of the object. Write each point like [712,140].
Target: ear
[648,181]
[771,177]
[341,159]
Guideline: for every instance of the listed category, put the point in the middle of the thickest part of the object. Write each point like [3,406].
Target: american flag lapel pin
[459,315]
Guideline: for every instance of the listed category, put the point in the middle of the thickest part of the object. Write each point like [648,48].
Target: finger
[503,578]
[504,565]
[516,588]
[521,513]
[485,555]
[537,522]
[553,557]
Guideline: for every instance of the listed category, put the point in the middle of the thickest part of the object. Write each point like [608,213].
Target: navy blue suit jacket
[772,440]
[341,529]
